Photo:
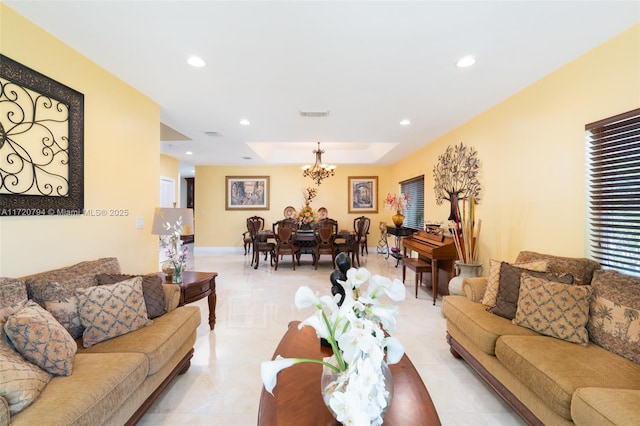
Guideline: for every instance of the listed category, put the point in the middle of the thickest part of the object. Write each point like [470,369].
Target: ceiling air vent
[314,113]
[213,134]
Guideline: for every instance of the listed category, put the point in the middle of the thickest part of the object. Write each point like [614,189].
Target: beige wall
[169,167]
[532,149]
[217,227]
[121,166]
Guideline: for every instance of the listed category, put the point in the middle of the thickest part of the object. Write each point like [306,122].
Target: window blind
[414,214]
[613,152]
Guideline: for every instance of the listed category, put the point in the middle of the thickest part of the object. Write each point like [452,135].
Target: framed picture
[41,144]
[247,193]
[363,194]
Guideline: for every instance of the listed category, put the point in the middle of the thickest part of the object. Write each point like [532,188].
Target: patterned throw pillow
[493,279]
[65,311]
[20,382]
[109,311]
[13,295]
[614,321]
[151,290]
[509,289]
[41,339]
[554,309]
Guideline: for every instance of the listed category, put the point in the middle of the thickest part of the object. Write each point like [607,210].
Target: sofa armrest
[171,296]
[474,287]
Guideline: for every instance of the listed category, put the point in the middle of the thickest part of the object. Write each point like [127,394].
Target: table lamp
[172,222]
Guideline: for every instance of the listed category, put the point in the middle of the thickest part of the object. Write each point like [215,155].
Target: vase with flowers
[306,216]
[356,384]
[397,203]
[176,261]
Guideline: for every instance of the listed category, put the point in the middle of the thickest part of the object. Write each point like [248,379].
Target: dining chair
[247,238]
[285,241]
[255,224]
[361,227]
[326,230]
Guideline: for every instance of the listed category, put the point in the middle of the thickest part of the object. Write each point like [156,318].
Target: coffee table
[296,399]
[196,286]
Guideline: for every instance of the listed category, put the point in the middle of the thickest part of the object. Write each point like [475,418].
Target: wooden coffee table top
[297,400]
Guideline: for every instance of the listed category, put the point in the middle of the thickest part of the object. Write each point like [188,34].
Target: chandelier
[319,170]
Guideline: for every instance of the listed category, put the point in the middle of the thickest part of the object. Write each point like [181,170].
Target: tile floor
[223,385]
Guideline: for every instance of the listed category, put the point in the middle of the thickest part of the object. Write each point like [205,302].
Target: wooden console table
[296,399]
[196,286]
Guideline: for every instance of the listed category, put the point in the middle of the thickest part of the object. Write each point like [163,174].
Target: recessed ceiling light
[245,122]
[405,122]
[196,61]
[189,153]
[466,61]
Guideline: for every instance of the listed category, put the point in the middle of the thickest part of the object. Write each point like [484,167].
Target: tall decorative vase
[398,219]
[463,270]
[177,276]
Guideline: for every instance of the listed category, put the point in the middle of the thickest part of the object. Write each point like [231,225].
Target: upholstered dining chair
[326,230]
[285,241]
[361,227]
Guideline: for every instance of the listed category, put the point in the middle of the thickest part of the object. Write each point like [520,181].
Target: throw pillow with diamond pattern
[109,311]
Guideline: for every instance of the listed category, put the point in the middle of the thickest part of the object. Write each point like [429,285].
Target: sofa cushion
[553,369]
[151,290]
[111,310]
[605,406]
[13,295]
[482,327]
[509,289]
[21,381]
[80,275]
[493,278]
[158,341]
[582,269]
[554,309]
[42,340]
[100,383]
[614,322]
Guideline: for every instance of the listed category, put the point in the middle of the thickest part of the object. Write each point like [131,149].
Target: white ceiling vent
[213,134]
[314,113]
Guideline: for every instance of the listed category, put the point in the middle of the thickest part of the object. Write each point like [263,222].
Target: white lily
[357,277]
[395,350]
[305,298]
[269,371]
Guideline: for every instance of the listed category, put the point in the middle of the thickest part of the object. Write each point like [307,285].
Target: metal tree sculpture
[456,176]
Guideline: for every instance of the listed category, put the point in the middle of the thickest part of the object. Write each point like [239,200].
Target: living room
[531,145]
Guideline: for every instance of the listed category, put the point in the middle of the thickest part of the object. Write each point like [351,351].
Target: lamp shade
[164,215]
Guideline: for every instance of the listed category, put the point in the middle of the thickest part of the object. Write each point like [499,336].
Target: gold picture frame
[247,193]
[363,194]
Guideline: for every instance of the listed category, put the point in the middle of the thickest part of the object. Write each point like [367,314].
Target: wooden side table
[196,286]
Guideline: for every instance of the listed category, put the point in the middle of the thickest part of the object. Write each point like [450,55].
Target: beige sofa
[548,380]
[115,381]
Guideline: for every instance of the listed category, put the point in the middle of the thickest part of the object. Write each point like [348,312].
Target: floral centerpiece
[397,203]
[357,329]
[306,215]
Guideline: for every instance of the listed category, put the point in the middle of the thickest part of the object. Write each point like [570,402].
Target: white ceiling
[370,64]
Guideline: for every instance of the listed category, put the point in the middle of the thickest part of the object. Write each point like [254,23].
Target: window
[414,214]
[613,152]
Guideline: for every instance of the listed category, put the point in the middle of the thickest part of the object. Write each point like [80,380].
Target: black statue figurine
[344,263]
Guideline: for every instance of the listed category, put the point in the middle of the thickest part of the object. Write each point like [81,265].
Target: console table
[196,286]
[296,399]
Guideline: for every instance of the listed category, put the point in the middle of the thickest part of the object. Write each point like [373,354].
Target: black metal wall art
[41,144]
